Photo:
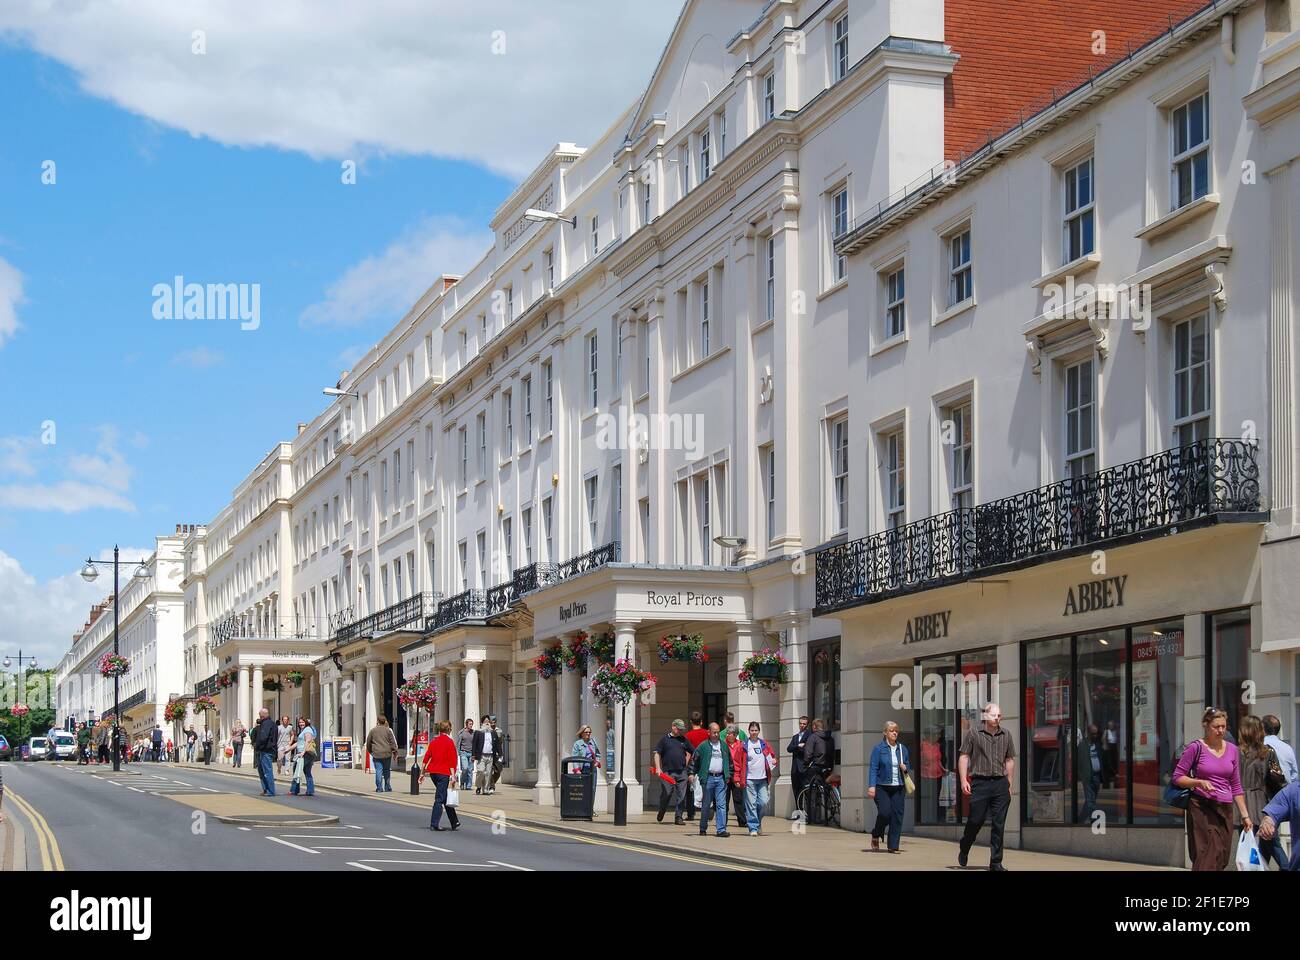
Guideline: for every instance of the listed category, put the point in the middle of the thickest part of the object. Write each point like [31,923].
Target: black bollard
[415,779]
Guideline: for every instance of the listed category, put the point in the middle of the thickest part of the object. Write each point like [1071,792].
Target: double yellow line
[51,858]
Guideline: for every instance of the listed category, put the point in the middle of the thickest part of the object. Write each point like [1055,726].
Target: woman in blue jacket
[885,784]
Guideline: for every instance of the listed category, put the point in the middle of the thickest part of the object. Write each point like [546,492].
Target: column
[1010,699]
[570,708]
[374,693]
[256,694]
[242,695]
[455,701]
[744,639]
[544,791]
[358,716]
[743,312]
[626,747]
[444,695]
[324,724]
[471,693]
[794,699]
[786,412]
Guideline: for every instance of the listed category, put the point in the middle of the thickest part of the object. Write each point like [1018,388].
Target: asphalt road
[101,822]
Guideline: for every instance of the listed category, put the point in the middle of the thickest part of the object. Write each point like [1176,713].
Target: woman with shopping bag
[889,782]
[1211,769]
[442,762]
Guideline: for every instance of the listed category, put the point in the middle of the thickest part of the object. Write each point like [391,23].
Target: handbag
[1274,777]
[909,784]
[1181,797]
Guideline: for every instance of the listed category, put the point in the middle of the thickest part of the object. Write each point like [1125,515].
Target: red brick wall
[1014,51]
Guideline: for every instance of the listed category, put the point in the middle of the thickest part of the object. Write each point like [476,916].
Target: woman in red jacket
[442,763]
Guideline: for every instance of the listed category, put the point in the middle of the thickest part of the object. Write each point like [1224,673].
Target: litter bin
[577,788]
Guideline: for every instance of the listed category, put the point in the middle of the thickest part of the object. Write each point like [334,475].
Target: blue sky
[223,170]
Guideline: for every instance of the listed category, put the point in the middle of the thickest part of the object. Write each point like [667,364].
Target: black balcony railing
[413,610]
[588,561]
[500,597]
[1196,483]
[535,576]
[467,605]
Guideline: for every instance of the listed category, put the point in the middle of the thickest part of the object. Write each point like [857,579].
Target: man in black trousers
[797,773]
[985,766]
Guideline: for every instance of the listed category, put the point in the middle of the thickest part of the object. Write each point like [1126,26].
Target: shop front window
[1048,701]
[1230,666]
[937,787]
[1101,729]
[1158,692]
[824,694]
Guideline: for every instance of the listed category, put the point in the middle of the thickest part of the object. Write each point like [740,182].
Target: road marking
[136,789]
[343,836]
[246,829]
[294,845]
[183,783]
[51,857]
[430,863]
[381,849]
[512,866]
[362,866]
[427,846]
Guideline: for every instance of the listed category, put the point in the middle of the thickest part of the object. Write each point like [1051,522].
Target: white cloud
[16,456]
[67,496]
[109,468]
[384,286]
[200,358]
[46,614]
[92,481]
[342,80]
[11,295]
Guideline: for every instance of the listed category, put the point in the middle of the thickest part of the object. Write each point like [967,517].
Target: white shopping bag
[1248,857]
[699,794]
[453,797]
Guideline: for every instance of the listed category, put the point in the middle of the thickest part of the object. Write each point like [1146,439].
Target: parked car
[65,746]
[38,748]
[6,751]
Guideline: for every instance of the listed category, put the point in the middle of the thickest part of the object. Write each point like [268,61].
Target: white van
[64,746]
[38,748]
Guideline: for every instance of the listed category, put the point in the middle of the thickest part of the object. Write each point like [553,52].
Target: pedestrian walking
[670,758]
[498,754]
[1261,779]
[101,742]
[1286,805]
[760,764]
[586,748]
[712,764]
[442,762]
[485,754]
[237,739]
[1285,755]
[157,741]
[465,753]
[694,736]
[84,734]
[207,747]
[798,772]
[265,739]
[736,793]
[191,740]
[1211,769]
[887,774]
[305,754]
[285,733]
[381,744]
[985,766]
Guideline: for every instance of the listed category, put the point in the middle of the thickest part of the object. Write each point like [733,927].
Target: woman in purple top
[1211,769]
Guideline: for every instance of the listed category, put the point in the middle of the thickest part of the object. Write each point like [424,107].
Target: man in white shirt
[1285,755]
[485,750]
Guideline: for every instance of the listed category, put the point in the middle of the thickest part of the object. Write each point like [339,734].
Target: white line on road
[430,863]
[294,845]
[427,846]
[183,783]
[246,829]
[209,789]
[382,849]
[362,866]
[321,836]
[134,788]
[512,866]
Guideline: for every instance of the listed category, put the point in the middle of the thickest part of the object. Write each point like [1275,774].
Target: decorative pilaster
[544,791]
[794,699]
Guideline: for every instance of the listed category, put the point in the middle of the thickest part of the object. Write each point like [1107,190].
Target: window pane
[1231,662]
[1101,735]
[973,689]
[937,787]
[1047,722]
[1157,695]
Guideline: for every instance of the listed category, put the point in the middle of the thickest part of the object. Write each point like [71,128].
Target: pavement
[784,845]
[169,817]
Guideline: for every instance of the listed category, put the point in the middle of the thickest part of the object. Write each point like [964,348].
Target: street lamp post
[89,574]
[20,686]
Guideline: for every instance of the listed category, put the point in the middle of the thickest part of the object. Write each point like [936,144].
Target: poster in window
[1056,701]
[1144,710]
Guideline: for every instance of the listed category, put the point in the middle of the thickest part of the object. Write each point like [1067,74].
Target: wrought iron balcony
[467,605]
[413,610]
[590,560]
[535,576]
[1202,483]
[500,597]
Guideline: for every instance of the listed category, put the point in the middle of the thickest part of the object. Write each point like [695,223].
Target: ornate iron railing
[467,605]
[500,597]
[535,576]
[588,561]
[1158,493]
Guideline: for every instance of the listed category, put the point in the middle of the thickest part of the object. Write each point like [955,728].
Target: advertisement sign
[1144,710]
[342,751]
[1056,701]
[327,753]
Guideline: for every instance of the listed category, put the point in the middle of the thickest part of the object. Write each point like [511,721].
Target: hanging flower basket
[419,691]
[576,653]
[601,647]
[293,678]
[620,682]
[174,711]
[550,662]
[688,648]
[19,710]
[113,665]
[766,669]
[227,679]
[204,703]
[273,686]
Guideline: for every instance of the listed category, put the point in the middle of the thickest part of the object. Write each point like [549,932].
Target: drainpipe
[1227,38]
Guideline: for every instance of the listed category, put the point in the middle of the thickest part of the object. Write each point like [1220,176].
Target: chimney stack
[302,428]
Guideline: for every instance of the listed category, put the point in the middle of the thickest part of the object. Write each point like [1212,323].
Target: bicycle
[820,802]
